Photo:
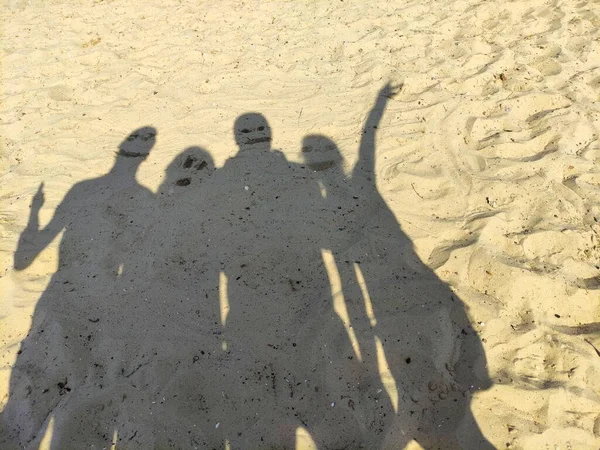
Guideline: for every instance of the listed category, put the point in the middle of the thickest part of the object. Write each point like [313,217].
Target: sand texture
[300,224]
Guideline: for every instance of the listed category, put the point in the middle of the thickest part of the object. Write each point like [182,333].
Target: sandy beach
[308,224]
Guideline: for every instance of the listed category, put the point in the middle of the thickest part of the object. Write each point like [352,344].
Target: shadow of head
[190,164]
[252,132]
[138,144]
[320,153]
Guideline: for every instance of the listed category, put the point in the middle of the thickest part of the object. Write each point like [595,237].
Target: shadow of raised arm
[33,240]
[365,166]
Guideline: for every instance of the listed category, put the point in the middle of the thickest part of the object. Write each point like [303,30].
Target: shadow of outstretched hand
[21,262]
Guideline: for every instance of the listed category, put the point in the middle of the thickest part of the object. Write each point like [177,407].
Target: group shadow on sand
[263,304]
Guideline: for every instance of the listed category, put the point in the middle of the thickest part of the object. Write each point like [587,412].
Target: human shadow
[272,286]
[324,321]
[405,322]
[77,317]
[246,257]
[262,304]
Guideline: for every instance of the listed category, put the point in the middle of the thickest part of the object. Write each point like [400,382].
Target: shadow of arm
[33,240]
[365,166]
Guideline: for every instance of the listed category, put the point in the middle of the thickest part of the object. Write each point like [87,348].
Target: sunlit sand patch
[413,445]
[46,441]
[339,303]
[387,379]
[304,441]
[223,298]
[322,188]
[224,305]
[113,445]
[366,296]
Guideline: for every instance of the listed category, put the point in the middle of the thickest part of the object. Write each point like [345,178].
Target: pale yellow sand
[489,158]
